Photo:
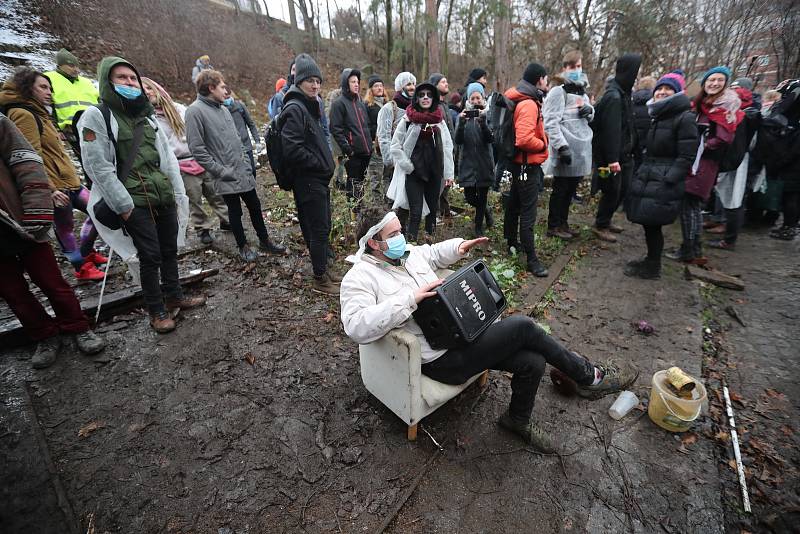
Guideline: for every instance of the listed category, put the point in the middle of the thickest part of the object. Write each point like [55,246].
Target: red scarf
[429,120]
[724,110]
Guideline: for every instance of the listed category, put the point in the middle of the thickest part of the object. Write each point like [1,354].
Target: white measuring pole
[736,452]
[103,287]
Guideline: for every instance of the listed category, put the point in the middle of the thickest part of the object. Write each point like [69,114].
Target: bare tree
[432,30]
[292,14]
[502,34]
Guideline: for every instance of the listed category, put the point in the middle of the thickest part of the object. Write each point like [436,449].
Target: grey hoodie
[216,146]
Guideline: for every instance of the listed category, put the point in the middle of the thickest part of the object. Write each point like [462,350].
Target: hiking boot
[89,343]
[324,284]
[529,432]
[46,352]
[89,273]
[644,269]
[603,234]
[247,254]
[721,244]
[206,238]
[272,248]
[571,231]
[535,266]
[96,258]
[615,229]
[225,226]
[784,233]
[615,378]
[558,232]
[162,323]
[716,229]
[185,303]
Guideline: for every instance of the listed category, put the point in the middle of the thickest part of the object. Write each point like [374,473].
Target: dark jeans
[477,197]
[691,225]
[519,346]
[313,200]
[155,236]
[252,160]
[655,242]
[520,207]
[564,189]
[733,223]
[356,168]
[39,262]
[614,189]
[416,190]
[791,208]
[234,204]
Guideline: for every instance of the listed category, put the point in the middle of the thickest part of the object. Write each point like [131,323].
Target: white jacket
[377,297]
[388,118]
[403,142]
[179,145]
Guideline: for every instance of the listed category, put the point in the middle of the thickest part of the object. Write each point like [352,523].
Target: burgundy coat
[702,182]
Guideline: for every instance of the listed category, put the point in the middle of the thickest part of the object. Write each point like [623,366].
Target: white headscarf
[362,243]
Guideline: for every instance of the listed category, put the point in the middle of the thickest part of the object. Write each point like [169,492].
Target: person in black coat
[613,143]
[476,166]
[309,158]
[656,190]
[350,130]
[641,117]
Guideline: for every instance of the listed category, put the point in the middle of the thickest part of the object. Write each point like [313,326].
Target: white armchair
[391,370]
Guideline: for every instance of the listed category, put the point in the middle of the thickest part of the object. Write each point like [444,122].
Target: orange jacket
[531,140]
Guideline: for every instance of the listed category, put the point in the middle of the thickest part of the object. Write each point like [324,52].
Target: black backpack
[274,143]
[4,110]
[505,138]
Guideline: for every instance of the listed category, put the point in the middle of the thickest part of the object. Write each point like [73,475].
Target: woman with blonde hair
[198,183]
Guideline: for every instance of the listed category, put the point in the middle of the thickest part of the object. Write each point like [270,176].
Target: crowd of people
[149,162]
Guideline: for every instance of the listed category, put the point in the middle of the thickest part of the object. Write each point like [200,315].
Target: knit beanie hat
[720,69]
[477,74]
[436,77]
[744,83]
[65,57]
[403,79]
[455,98]
[475,87]
[279,84]
[671,81]
[533,73]
[372,80]
[305,67]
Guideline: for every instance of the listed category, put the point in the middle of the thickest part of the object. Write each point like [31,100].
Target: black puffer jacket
[350,120]
[641,119]
[476,167]
[304,143]
[614,133]
[670,146]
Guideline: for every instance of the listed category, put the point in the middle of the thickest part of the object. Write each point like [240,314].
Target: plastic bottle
[624,404]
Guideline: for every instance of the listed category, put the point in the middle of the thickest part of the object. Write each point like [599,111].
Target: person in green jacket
[145,199]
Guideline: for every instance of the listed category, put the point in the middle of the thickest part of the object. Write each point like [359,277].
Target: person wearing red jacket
[526,168]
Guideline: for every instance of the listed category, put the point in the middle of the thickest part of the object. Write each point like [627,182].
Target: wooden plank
[113,304]
[712,276]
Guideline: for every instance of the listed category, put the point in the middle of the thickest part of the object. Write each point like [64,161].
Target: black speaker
[464,306]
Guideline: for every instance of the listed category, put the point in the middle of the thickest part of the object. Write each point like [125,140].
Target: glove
[584,112]
[565,155]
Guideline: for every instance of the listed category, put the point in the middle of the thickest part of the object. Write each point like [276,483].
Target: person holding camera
[476,165]
[390,278]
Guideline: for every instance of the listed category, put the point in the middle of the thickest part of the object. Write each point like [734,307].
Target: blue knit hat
[720,69]
[475,86]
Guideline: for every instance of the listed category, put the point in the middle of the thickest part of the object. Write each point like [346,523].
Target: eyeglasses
[425,94]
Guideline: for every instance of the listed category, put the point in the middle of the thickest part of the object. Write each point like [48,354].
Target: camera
[472,113]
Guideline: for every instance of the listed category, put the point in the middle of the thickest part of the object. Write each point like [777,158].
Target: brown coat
[26,209]
[60,170]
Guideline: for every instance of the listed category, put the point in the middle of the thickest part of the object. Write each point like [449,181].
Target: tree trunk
[414,55]
[389,41]
[502,35]
[402,37]
[446,39]
[432,29]
[469,37]
[330,26]
[361,36]
[292,14]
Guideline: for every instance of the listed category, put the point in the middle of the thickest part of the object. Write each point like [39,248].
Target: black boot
[534,266]
[645,269]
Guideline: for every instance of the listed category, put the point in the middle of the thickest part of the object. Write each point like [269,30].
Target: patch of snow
[20,42]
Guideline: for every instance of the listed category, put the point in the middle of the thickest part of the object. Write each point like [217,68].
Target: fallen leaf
[689,439]
[722,436]
[88,428]
[735,397]
[329,317]
[775,394]
[249,358]
[787,430]
[732,464]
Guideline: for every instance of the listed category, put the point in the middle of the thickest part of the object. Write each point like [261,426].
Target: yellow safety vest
[70,97]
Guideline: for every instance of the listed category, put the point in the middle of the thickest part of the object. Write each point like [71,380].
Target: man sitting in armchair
[390,278]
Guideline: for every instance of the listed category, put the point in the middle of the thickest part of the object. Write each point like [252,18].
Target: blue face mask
[575,75]
[228,101]
[125,91]
[397,247]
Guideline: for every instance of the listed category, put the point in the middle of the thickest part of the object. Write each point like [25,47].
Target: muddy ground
[251,417]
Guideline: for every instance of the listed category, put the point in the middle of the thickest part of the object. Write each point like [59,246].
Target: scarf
[428,119]
[401,101]
[724,110]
